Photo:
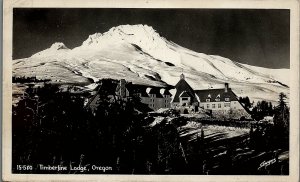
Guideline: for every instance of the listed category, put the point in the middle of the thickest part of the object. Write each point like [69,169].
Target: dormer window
[207,100]
[227,99]
[217,99]
[209,96]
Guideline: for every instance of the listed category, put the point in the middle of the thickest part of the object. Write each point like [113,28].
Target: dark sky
[255,37]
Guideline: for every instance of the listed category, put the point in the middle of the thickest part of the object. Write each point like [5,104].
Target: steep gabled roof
[105,87]
[204,94]
[167,92]
[94,98]
[181,86]
[156,91]
[135,88]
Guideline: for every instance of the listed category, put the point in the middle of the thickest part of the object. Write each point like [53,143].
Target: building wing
[218,95]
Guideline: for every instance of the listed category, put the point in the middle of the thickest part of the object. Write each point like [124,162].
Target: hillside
[140,55]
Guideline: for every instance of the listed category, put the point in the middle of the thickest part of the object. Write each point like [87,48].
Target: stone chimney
[226,87]
[123,88]
[182,77]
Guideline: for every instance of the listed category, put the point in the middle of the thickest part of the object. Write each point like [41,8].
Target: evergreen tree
[245,101]
[281,121]
[281,101]
[262,109]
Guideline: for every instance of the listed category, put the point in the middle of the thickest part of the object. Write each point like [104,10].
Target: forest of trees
[269,137]
[23,79]
[52,127]
[262,109]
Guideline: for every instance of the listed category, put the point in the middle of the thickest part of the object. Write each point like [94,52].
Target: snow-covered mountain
[140,55]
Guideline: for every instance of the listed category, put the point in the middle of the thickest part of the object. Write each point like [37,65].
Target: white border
[245,4]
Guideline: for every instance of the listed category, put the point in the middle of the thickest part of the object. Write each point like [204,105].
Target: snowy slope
[281,75]
[139,54]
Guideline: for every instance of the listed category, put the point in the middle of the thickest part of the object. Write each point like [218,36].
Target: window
[207,100]
[184,98]
[217,100]
[226,99]
[207,106]
[213,105]
[226,104]
[219,105]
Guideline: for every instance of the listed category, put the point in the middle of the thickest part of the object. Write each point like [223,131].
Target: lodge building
[153,97]
[222,99]
[217,100]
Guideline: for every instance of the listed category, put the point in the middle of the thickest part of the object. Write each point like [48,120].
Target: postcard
[150,90]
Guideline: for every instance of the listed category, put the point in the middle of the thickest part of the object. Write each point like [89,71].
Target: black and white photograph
[151,91]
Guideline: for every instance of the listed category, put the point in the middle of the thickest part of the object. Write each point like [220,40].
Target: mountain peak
[55,49]
[134,29]
[140,36]
[143,33]
[140,55]
[58,46]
